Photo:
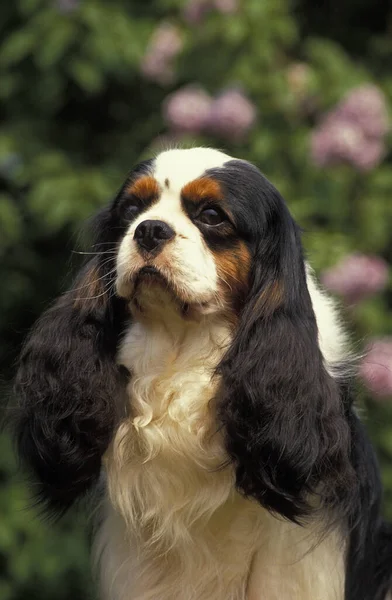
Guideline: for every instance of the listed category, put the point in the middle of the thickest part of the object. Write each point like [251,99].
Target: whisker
[96,253]
[108,285]
[92,282]
[104,244]
[226,282]
[229,275]
[106,291]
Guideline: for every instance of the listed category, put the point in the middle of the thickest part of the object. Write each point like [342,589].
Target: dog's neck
[172,361]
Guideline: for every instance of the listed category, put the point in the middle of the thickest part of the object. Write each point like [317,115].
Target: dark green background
[76,115]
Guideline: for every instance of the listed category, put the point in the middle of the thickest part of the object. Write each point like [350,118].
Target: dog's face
[192,222]
[182,235]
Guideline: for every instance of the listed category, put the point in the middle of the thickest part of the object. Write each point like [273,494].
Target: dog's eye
[211,217]
[132,207]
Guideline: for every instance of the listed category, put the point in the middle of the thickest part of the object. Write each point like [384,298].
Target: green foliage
[77,114]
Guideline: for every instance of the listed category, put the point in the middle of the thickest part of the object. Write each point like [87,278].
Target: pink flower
[232,115]
[195,11]
[165,44]
[376,367]
[155,68]
[370,154]
[227,7]
[336,142]
[353,132]
[366,107]
[188,109]
[356,277]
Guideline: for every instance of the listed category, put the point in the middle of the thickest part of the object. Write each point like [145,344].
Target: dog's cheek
[233,267]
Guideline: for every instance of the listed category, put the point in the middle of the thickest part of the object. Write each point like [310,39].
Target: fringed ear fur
[66,388]
[285,423]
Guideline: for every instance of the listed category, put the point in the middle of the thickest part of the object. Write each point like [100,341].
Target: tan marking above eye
[145,188]
[204,187]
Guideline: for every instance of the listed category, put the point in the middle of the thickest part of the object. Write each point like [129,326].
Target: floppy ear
[282,413]
[67,383]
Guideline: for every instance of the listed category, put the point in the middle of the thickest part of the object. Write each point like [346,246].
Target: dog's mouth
[149,273]
[151,277]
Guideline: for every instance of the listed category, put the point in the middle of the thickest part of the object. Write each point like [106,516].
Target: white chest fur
[175,527]
[168,445]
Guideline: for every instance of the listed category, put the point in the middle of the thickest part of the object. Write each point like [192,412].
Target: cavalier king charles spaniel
[197,377]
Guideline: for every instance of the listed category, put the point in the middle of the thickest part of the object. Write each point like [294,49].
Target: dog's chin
[153,294]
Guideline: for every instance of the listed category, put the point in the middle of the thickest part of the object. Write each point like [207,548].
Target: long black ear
[282,413]
[67,383]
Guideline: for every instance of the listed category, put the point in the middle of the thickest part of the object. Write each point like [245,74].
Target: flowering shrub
[354,131]
[230,115]
[188,109]
[164,46]
[356,277]
[365,106]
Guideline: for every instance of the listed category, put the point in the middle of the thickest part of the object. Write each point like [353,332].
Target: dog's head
[204,235]
[190,230]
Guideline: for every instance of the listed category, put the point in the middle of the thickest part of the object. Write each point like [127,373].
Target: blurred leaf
[88,76]
[17,46]
[57,41]
[10,225]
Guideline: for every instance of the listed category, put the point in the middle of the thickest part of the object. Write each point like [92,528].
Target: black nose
[151,234]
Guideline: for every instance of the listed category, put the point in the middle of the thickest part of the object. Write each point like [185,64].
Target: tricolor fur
[197,362]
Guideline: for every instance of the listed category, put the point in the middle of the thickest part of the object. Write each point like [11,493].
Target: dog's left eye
[132,208]
[211,217]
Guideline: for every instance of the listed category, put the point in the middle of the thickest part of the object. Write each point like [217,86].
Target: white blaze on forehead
[180,167]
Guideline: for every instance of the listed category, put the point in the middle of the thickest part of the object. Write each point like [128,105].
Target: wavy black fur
[68,384]
[285,424]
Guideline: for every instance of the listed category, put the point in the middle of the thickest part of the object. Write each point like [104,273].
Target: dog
[198,375]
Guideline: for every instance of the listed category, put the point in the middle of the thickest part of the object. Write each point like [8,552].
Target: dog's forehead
[173,169]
